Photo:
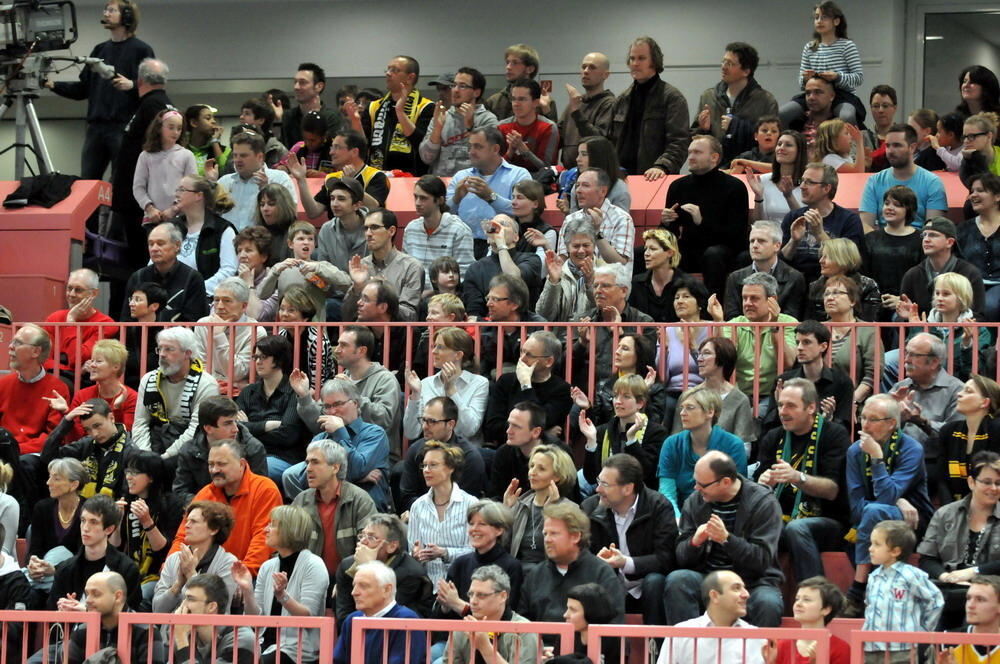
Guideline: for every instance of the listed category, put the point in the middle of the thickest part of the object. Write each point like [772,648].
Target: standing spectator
[979,89]
[161,165]
[446,148]
[588,113]
[308,85]
[882,101]
[520,61]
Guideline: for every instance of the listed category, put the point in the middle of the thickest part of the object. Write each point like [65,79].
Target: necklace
[446,500]
[68,520]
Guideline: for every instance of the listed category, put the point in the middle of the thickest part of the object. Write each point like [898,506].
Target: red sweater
[25,413]
[125,414]
[68,338]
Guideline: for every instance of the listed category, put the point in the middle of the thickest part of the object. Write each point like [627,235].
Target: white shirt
[244,194]
[681,650]
[384,610]
[622,523]
[450,533]
[470,396]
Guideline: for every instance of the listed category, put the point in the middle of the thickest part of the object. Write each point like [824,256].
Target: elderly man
[366,444]
[613,226]
[733,523]
[382,537]
[336,506]
[503,258]
[75,343]
[206,594]
[446,148]
[24,392]
[611,286]
[489,593]
[725,597]
[765,244]
[251,496]
[757,347]
[166,414]
[250,176]
[374,594]
[886,480]
[184,285]
[568,563]
[228,343]
[802,462]
[633,530]
[588,113]
[569,285]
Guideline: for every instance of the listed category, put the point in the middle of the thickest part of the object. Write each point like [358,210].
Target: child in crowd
[925,122]
[319,278]
[948,141]
[759,159]
[835,140]
[314,148]
[202,136]
[161,165]
[900,597]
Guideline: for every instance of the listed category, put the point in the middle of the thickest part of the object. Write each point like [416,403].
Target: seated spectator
[382,537]
[568,292]
[454,356]
[588,113]
[716,364]
[690,305]
[764,248]
[440,417]
[207,594]
[614,228]
[218,419]
[208,237]
[25,409]
[611,286]
[975,237]
[54,537]
[165,415]
[436,535]
[185,287]
[835,142]
[445,149]
[343,236]
[488,523]
[630,431]
[10,515]
[144,306]
[99,517]
[104,448]
[504,258]
[15,593]
[243,186]
[807,229]
[201,136]
[532,138]
[250,495]
[551,478]
[151,515]
[730,109]
[886,479]
[349,156]
[525,432]
[567,564]
[588,604]
[445,280]
[253,246]
[840,257]
[759,158]
[895,584]
[374,594]
[894,248]
[925,122]
[533,379]
[699,412]
[276,212]
[882,100]
[595,152]
[230,344]
[319,278]
[528,206]
[259,114]
[403,272]
[757,349]
[653,291]
[315,350]
[337,507]
[817,602]
[979,155]
[207,527]
[639,549]
[802,461]
[160,167]
[707,209]
[960,542]
[106,366]
[900,142]
[268,406]
[730,523]
[982,615]
[727,600]
[437,232]
[313,150]
[847,339]
[978,405]
[777,195]
[489,592]
[75,343]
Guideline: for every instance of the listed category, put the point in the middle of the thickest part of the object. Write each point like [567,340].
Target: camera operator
[111,102]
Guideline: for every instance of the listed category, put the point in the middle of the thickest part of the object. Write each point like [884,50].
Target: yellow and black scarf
[108,480]
[379,147]
[805,462]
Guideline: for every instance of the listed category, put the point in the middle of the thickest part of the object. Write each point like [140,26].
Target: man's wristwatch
[600,235]
[802,478]
[493,197]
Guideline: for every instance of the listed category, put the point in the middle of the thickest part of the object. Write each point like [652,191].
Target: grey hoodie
[452,154]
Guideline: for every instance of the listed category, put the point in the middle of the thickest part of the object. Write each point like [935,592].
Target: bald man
[589,112]
[75,343]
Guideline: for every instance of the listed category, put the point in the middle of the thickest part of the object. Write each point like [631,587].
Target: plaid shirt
[617,228]
[900,598]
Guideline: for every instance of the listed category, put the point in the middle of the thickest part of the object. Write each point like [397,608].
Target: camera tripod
[20,93]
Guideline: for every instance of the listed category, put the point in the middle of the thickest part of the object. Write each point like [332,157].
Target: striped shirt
[452,238]
[841,56]
[617,228]
[900,598]
[718,558]
[450,533]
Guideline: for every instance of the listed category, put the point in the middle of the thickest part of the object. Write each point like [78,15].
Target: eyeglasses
[430,421]
[461,86]
[494,298]
[166,349]
[989,484]
[368,537]
[875,419]
[690,407]
[478,595]
[532,356]
[430,466]
[834,293]
[606,485]
[258,357]
[374,227]
[807,181]
[705,486]
[335,404]
[972,137]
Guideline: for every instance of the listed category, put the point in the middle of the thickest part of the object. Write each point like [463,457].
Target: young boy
[319,278]
[900,597]
[766,134]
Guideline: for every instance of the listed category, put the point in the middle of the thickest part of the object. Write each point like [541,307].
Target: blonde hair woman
[551,479]
[840,256]
[653,290]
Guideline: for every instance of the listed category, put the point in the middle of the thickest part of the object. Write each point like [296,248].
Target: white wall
[208,43]
[964,42]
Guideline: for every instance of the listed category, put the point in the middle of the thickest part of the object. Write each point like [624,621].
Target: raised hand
[705,118]
[299,382]
[587,427]
[512,493]
[756,186]
[241,576]
[296,168]
[553,266]
[413,382]
[715,308]
[694,211]
[358,271]
[579,397]
[57,402]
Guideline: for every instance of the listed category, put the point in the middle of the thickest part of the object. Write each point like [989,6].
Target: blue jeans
[871,515]
[293,479]
[806,539]
[682,600]
[275,467]
[890,369]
